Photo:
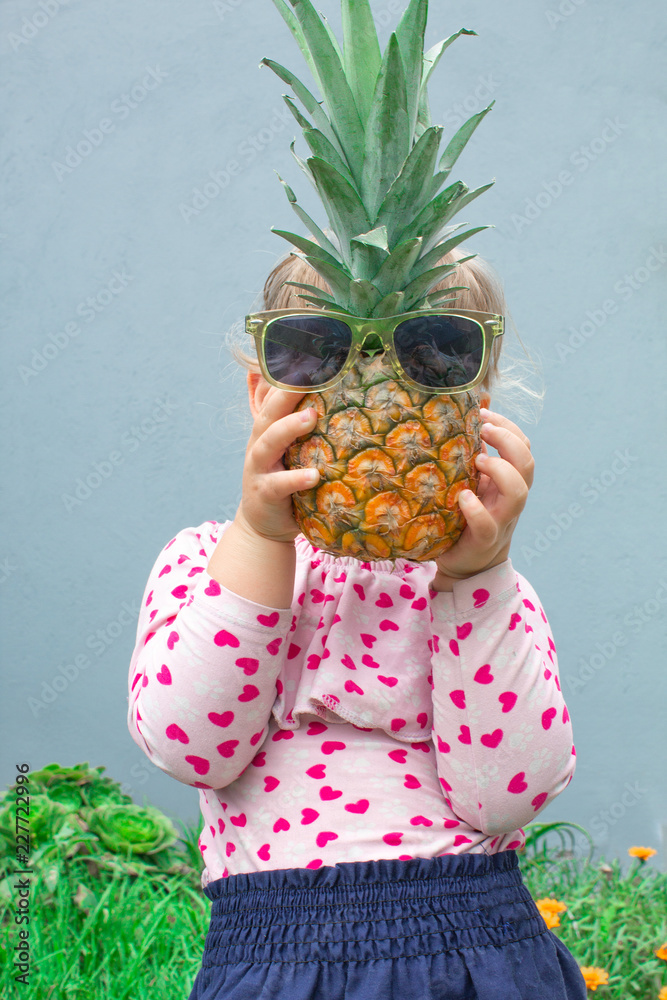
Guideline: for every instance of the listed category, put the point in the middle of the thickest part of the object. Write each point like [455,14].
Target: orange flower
[549,910]
[662,995]
[594,977]
[662,953]
[641,852]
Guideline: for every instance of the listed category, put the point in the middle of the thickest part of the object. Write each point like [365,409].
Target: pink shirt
[373,719]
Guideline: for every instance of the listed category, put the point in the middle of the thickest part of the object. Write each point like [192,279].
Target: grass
[96,933]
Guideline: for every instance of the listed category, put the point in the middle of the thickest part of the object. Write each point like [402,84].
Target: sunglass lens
[440,351]
[306,351]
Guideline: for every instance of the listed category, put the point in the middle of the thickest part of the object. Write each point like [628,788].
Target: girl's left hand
[492,515]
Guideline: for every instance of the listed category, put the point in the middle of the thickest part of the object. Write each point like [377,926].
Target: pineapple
[392,459]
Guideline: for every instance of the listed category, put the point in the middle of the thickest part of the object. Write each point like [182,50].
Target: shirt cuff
[221,605]
[483,592]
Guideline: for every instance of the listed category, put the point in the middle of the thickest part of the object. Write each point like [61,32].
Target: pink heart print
[464,736]
[348,662]
[459,698]
[483,675]
[280,824]
[263,853]
[384,601]
[407,591]
[273,647]
[293,651]
[317,771]
[164,675]
[248,665]
[368,661]
[323,839]
[172,640]
[539,800]
[315,728]
[225,638]
[367,639]
[165,569]
[480,597]
[463,631]
[213,589]
[397,724]
[270,783]
[180,592]
[269,620]
[388,626]
[227,749]
[259,760]
[361,593]
[327,793]
[313,662]
[517,784]
[400,756]
[421,821]
[330,746]
[492,740]
[389,681]
[224,719]
[422,720]
[548,717]
[514,621]
[353,688]
[411,781]
[393,839]
[200,765]
[239,820]
[174,732]
[508,700]
[358,807]
[419,604]
[250,692]
[309,816]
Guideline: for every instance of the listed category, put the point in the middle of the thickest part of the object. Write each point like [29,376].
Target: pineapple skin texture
[392,461]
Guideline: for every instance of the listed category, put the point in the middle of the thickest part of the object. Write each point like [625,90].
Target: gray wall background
[118,295]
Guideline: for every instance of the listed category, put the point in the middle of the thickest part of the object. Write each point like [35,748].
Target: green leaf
[344,208]
[364,296]
[302,163]
[388,135]
[307,246]
[361,53]
[397,268]
[455,206]
[306,219]
[301,119]
[432,57]
[335,89]
[295,28]
[324,304]
[422,285]
[429,217]
[437,253]
[374,238]
[337,279]
[410,35]
[332,38]
[320,146]
[319,292]
[311,105]
[456,144]
[444,296]
[406,195]
[390,305]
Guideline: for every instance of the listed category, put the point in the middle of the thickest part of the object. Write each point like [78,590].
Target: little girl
[367,738]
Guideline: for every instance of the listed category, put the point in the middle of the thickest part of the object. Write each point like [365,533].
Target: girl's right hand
[266,504]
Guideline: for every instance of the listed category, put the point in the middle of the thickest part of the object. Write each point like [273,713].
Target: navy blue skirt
[455,927]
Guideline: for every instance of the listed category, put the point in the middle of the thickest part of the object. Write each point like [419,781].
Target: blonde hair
[481,290]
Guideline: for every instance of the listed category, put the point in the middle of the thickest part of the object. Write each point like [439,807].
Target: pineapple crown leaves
[374,161]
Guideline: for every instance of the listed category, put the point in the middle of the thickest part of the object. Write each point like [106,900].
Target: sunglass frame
[492,325]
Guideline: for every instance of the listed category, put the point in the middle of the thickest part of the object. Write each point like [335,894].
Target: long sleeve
[501,728]
[203,674]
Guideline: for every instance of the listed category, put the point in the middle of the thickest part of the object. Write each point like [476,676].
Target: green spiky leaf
[302,163]
[375,238]
[456,144]
[421,286]
[364,296]
[318,292]
[320,146]
[388,136]
[293,24]
[429,219]
[361,53]
[338,280]
[301,119]
[335,89]
[397,268]
[406,194]
[324,304]
[437,253]
[308,247]
[343,205]
[455,206]
[444,297]
[311,105]
[306,219]
[390,305]
[410,35]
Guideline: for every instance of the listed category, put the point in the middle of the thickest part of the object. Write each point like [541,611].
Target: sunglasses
[438,350]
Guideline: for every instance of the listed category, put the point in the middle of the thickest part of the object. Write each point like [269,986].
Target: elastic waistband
[368,910]
[359,873]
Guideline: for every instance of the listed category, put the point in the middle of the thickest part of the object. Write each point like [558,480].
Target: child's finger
[277,404]
[489,416]
[480,522]
[511,448]
[512,488]
[277,486]
[268,449]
